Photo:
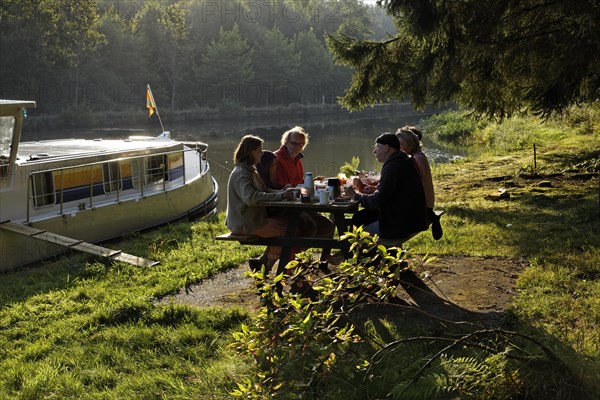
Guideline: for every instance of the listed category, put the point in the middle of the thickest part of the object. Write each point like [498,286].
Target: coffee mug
[323,197]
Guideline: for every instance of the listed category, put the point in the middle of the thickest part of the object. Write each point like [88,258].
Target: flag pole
[152,107]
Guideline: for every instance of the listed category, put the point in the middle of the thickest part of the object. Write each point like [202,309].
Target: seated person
[399,200]
[267,168]
[290,171]
[245,189]
[410,143]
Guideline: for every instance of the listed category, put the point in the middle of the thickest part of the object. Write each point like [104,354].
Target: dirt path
[480,286]
[227,289]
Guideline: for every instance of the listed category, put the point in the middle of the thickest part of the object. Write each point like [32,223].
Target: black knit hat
[390,139]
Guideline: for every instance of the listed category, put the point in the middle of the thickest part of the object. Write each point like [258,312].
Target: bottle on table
[309,184]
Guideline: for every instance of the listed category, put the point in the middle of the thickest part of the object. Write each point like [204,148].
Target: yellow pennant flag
[150,105]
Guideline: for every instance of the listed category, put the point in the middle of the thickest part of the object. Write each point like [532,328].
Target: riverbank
[75,327]
[87,116]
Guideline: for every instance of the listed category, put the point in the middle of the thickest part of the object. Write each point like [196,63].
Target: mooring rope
[211,161]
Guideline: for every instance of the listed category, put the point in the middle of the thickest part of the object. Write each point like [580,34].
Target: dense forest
[100,54]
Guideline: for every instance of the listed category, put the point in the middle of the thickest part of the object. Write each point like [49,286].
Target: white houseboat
[56,194]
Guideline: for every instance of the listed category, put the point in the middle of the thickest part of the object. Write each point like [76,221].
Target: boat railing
[144,176]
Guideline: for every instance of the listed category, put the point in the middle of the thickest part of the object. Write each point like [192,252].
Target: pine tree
[495,57]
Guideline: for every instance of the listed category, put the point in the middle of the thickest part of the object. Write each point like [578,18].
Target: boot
[436,227]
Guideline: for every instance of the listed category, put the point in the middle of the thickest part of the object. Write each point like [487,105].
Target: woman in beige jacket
[245,189]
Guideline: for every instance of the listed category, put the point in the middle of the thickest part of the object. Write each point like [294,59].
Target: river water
[331,143]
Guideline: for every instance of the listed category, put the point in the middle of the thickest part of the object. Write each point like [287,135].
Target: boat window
[111,177]
[43,189]
[157,169]
[136,173]
[7,126]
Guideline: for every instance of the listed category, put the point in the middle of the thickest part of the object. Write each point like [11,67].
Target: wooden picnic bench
[398,242]
[290,240]
[284,241]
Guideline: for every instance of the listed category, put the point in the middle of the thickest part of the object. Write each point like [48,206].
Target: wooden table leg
[340,222]
[342,228]
[286,251]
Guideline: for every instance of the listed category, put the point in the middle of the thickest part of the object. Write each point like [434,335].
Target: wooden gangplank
[75,244]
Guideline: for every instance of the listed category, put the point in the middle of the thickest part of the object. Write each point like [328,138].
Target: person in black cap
[399,201]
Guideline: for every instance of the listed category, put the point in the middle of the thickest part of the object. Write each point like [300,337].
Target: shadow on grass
[567,159]
[423,307]
[432,306]
[433,328]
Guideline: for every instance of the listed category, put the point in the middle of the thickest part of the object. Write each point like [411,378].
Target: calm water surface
[332,143]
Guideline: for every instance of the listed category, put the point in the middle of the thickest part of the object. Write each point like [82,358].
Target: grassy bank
[75,328]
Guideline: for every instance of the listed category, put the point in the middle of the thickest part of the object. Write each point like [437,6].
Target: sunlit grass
[91,330]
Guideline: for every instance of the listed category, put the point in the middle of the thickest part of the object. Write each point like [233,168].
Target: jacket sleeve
[373,201]
[249,194]
[385,187]
[370,201]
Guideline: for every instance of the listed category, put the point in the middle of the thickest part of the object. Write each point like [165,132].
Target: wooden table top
[336,206]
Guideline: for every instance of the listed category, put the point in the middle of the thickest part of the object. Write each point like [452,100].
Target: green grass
[75,328]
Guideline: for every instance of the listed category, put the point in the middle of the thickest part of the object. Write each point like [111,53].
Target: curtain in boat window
[43,189]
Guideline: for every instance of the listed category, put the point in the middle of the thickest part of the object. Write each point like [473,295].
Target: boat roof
[77,148]
[9,107]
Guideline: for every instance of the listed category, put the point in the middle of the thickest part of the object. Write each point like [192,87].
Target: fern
[473,378]
[420,391]
[464,378]
[426,388]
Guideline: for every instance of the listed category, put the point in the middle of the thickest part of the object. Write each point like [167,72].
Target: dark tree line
[194,53]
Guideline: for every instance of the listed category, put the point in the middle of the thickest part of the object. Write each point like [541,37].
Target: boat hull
[196,198]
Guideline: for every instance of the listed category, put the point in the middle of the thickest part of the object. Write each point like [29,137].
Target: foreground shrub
[348,335]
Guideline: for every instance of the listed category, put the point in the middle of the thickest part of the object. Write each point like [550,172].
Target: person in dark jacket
[399,197]
[267,168]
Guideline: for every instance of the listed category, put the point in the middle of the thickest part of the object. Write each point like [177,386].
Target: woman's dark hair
[268,158]
[243,152]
